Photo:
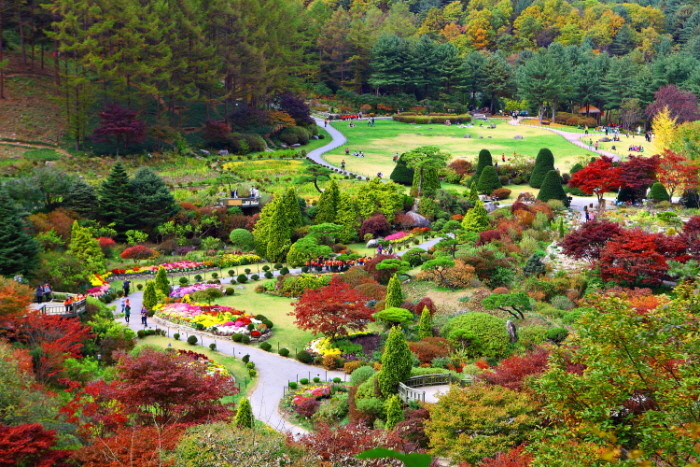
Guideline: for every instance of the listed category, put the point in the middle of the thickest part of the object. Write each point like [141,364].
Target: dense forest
[182,63]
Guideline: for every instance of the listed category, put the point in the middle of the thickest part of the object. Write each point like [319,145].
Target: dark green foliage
[162,284]
[543,164]
[18,250]
[402,174]
[117,202]
[575,168]
[242,278]
[237,337]
[192,340]
[284,351]
[552,187]
[484,160]
[488,180]
[481,334]
[557,335]
[176,336]
[328,204]
[305,357]
[153,198]
[658,192]
[534,266]
[266,346]
[396,362]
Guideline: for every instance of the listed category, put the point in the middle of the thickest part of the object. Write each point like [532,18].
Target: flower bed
[217,319]
[212,367]
[180,292]
[300,404]
[403,237]
[99,284]
[230,260]
[177,266]
[345,347]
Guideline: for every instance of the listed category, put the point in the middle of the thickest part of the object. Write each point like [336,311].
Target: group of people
[43,293]
[388,251]
[355,153]
[588,213]
[126,305]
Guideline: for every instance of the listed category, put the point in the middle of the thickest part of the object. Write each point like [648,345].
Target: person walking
[127,312]
[342,164]
[586,214]
[126,286]
[39,293]
[122,303]
[47,292]
[144,316]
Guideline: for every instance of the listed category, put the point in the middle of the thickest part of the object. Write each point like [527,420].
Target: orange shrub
[349,367]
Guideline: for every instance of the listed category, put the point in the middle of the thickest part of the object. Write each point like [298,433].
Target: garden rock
[223,152]
[372,243]
[417,220]
[205,152]
[296,145]
[467,136]
[518,137]
[512,332]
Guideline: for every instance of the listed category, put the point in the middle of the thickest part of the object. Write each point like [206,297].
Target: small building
[591,111]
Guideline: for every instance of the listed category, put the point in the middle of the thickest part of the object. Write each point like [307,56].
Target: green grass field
[388,137]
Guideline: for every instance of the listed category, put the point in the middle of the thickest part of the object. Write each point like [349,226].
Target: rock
[283,146]
[518,137]
[296,145]
[604,139]
[418,220]
[223,152]
[314,137]
[512,332]
[372,243]
[468,136]
[205,152]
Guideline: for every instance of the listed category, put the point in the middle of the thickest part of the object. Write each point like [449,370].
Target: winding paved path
[337,140]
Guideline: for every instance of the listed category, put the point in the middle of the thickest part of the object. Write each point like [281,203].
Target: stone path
[338,139]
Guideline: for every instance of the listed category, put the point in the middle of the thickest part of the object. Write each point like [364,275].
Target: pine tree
[394,412]
[349,217]
[543,164]
[488,181]
[397,361]
[162,284]
[484,160]
[551,187]
[425,161]
[575,168]
[86,249]
[244,414]
[272,233]
[150,299]
[561,229]
[658,192]
[425,325]
[292,209]
[117,203]
[328,204]
[473,193]
[156,203]
[18,250]
[534,266]
[394,295]
[477,219]
[81,198]
[402,173]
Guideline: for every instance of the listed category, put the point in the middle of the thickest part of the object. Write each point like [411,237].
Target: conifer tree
[658,192]
[397,361]
[484,160]
[488,181]
[394,412]
[477,219]
[156,203]
[543,164]
[162,284]
[328,204]
[473,193]
[402,173]
[18,250]
[117,202]
[394,295]
[272,233]
[551,187]
[150,299]
[349,217]
[534,266]
[86,249]
[425,325]
[244,414]
[291,209]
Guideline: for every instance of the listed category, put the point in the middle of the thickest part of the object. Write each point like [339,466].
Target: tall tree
[328,204]
[396,362]
[119,126]
[156,203]
[675,172]
[425,162]
[498,77]
[18,250]
[117,202]
[544,162]
[87,249]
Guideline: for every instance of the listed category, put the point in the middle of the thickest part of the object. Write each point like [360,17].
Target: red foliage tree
[93,410]
[676,172]
[121,125]
[332,310]
[409,434]
[512,371]
[637,173]
[516,457]
[588,241]
[429,348]
[138,252]
[692,226]
[339,445]
[14,298]
[425,302]
[139,446]
[488,236]
[217,132]
[597,177]
[31,445]
[375,225]
[461,166]
[164,387]
[683,105]
[633,257]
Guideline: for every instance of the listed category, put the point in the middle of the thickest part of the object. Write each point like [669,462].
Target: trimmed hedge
[432,118]
[552,188]
[488,181]
[402,174]
[543,164]
[484,335]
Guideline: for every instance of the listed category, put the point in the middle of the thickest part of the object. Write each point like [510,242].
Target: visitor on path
[39,293]
[144,316]
[126,286]
[379,175]
[347,151]
[47,292]
[586,214]
[325,122]
[122,304]
[391,250]
[127,311]
[68,303]
[342,164]
[379,249]
[503,157]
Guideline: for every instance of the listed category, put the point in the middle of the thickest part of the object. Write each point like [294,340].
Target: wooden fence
[407,391]
[76,308]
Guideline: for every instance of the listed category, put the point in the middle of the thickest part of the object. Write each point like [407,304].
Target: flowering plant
[180,292]
[177,266]
[219,319]
[99,285]
[212,367]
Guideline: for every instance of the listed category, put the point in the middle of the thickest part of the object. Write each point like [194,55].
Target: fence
[77,308]
[407,391]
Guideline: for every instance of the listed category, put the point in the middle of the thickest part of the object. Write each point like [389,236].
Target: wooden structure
[77,308]
[408,392]
[591,110]
[240,202]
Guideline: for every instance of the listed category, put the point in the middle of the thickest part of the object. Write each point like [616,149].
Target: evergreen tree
[575,168]
[81,198]
[117,203]
[156,203]
[477,219]
[394,412]
[425,325]
[397,361]
[272,233]
[162,284]
[292,209]
[328,204]
[349,217]
[18,250]
[402,173]
[488,181]
[552,188]
[394,295]
[244,414]
[658,192]
[86,249]
[473,193]
[543,164]
[425,162]
[534,266]
[150,298]
[484,160]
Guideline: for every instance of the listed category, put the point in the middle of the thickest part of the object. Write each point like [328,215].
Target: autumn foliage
[14,298]
[587,242]
[138,252]
[29,444]
[516,457]
[597,177]
[512,371]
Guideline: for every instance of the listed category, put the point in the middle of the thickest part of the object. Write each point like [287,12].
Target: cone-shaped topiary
[476,219]
[149,295]
[162,284]
[551,187]
[473,193]
[484,160]
[425,325]
[658,192]
[394,295]
[543,164]
[402,174]
[394,412]
[397,361]
[244,415]
[488,181]
[575,168]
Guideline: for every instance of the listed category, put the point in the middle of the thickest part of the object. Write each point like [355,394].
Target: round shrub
[247,270]
[230,291]
[658,192]
[293,385]
[242,278]
[246,358]
[557,335]
[337,380]
[361,375]
[284,351]
[266,268]
[255,277]
[183,280]
[268,275]
[394,315]
[305,357]
[176,336]
[278,266]
[266,346]
[317,379]
[304,380]
[139,286]
[252,372]
[284,271]
[250,365]
[198,277]
[212,346]
[482,335]
[236,337]
[192,340]
[245,339]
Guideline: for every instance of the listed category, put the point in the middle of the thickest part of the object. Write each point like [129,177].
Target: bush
[176,336]
[305,357]
[372,406]
[293,385]
[242,239]
[246,358]
[562,302]
[331,362]
[192,340]
[304,380]
[402,174]
[337,380]
[317,379]
[284,271]
[488,180]
[284,351]
[552,188]
[501,193]
[236,337]
[229,291]
[242,278]
[333,410]
[294,135]
[307,407]
[432,118]
[252,372]
[268,275]
[557,335]
[255,277]
[351,366]
[361,374]
[544,163]
[532,336]
[266,346]
[245,339]
[482,335]
[658,193]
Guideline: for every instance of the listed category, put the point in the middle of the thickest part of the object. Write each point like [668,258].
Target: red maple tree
[332,310]
[138,252]
[682,105]
[512,371]
[676,172]
[339,445]
[634,257]
[516,457]
[14,298]
[588,241]
[29,444]
[597,177]
[123,125]
[638,173]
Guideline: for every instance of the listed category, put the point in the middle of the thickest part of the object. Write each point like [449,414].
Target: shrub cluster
[432,118]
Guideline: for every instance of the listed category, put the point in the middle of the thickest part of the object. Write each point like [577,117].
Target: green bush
[361,375]
[255,277]
[402,174]
[266,346]
[242,239]
[245,339]
[562,303]
[293,385]
[485,160]
[544,163]
[242,278]
[432,118]
[229,291]
[317,379]
[557,335]
[294,135]
[532,336]
[236,337]
[176,336]
[482,335]
[250,365]
[552,188]
[332,411]
[252,372]
[192,340]
[304,381]
[305,357]
[658,193]
[268,275]
[337,380]
[284,271]
[373,406]
[420,371]
[488,181]
[246,358]
[394,315]
[212,346]
[284,351]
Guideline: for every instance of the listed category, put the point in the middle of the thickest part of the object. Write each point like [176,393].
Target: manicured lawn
[388,137]
[234,365]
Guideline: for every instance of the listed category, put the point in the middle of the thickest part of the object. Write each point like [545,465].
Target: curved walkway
[337,140]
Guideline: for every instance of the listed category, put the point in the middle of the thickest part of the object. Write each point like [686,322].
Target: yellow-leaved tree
[664,127]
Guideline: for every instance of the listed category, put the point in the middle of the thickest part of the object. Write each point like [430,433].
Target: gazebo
[591,110]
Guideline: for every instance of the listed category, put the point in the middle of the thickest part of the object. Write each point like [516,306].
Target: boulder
[205,152]
[418,220]
[372,243]
[518,137]
[467,136]
[223,152]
